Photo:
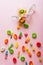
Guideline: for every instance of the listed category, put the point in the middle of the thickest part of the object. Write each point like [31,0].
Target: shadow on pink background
[9,8]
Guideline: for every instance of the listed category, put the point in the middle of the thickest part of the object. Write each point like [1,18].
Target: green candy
[34,35]
[22,58]
[26,25]
[11,51]
[10,46]
[21,11]
[9,32]
[20,33]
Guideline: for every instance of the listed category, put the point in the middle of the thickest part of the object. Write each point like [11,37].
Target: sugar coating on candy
[26,25]
[2,49]
[16,44]
[11,51]
[30,63]
[38,44]
[38,54]
[6,41]
[34,35]
[9,32]
[14,60]
[22,58]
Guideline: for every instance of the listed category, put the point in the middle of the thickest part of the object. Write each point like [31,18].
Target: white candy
[2,49]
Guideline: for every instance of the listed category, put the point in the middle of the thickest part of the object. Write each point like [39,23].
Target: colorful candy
[38,54]
[18,54]
[40,59]
[34,35]
[23,48]
[22,58]
[20,34]
[11,51]
[38,44]
[22,11]
[9,32]
[25,34]
[26,63]
[27,40]
[2,49]
[30,63]
[15,36]
[6,41]
[16,44]
[6,54]
[31,44]
[26,25]
[33,49]
[14,60]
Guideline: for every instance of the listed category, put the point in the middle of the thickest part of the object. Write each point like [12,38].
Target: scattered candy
[26,25]
[22,58]
[2,49]
[17,45]
[30,63]
[38,44]
[26,63]
[40,59]
[29,53]
[9,32]
[31,44]
[18,54]
[27,40]
[25,34]
[6,54]
[20,34]
[20,37]
[14,60]
[6,41]
[38,53]
[18,27]
[11,51]
[23,48]
[15,36]
[33,49]
[22,11]
[11,45]
[34,35]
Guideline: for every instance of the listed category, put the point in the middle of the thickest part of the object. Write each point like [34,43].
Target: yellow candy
[33,49]
[28,39]
[17,45]
[18,27]
[26,49]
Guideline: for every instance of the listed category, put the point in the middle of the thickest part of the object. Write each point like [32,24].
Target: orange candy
[30,63]
[38,53]
[6,41]
[23,48]
[15,36]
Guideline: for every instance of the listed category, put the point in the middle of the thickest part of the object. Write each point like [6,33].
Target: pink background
[9,8]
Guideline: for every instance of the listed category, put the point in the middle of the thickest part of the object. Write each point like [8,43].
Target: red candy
[38,44]
[23,48]
[30,63]
[38,53]
[25,35]
[14,60]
